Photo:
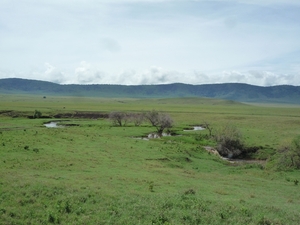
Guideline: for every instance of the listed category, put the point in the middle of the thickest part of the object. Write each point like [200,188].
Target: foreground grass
[93,173]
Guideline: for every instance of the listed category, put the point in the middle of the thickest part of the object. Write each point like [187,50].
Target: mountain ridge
[231,91]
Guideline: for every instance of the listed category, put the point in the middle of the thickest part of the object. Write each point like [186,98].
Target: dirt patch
[41,117]
[5,111]
[15,114]
[71,125]
[83,115]
[80,115]
[211,150]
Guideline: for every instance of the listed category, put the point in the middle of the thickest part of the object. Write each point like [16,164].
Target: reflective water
[196,128]
[52,125]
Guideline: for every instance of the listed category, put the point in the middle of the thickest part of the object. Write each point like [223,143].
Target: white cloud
[118,41]
[261,78]
[128,77]
[86,74]
[53,74]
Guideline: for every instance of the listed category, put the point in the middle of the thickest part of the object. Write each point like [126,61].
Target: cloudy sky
[151,41]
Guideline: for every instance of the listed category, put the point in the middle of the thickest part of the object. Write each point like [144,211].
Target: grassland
[94,173]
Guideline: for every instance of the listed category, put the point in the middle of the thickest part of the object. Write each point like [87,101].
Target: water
[153,136]
[196,128]
[52,125]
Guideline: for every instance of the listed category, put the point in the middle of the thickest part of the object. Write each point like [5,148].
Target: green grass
[94,173]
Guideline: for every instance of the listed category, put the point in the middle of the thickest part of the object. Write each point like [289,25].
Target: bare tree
[118,118]
[152,117]
[160,121]
[136,118]
[208,127]
[164,122]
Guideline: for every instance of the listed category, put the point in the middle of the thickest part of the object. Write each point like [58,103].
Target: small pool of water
[52,125]
[153,136]
[195,128]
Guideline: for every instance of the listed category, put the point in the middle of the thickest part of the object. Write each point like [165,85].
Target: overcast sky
[151,41]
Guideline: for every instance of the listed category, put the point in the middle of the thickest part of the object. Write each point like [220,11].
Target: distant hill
[231,91]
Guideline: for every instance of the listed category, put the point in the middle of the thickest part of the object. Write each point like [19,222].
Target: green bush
[37,114]
[296,182]
[229,140]
[288,155]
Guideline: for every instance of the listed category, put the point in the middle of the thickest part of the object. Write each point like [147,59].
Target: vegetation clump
[37,114]
[118,118]
[288,155]
[161,121]
[230,143]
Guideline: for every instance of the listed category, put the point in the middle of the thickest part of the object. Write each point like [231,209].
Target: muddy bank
[16,114]
[213,151]
[83,115]
[76,115]
[194,128]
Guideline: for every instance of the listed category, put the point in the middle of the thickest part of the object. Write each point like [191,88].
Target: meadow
[90,172]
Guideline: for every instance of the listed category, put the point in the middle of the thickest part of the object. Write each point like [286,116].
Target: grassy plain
[94,173]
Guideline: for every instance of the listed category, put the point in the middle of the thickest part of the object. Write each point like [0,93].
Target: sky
[133,42]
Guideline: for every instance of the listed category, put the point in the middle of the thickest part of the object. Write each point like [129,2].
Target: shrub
[37,114]
[151,186]
[190,192]
[296,182]
[229,140]
[288,155]
[53,218]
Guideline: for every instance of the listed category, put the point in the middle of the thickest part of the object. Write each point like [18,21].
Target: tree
[152,117]
[208,127]
[118,118]
[136,118]
[164,122]
[160,121]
